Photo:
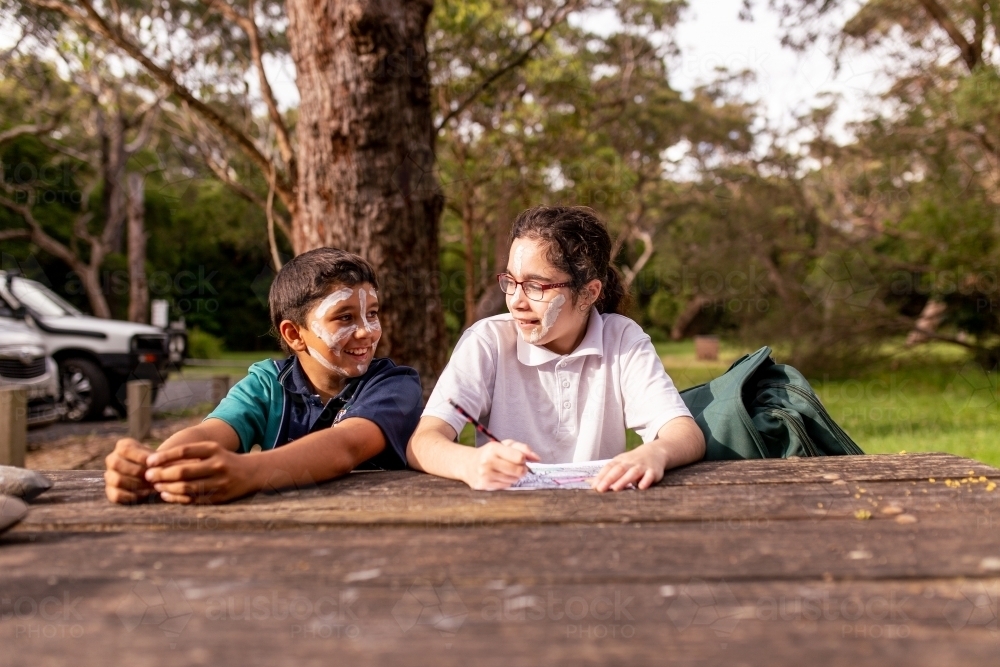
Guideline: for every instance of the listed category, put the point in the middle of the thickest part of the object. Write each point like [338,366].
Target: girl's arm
[493,466]
[678,442]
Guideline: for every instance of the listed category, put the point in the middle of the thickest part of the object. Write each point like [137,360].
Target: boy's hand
[124,480]
[201,472]
[643,467]
[497,466]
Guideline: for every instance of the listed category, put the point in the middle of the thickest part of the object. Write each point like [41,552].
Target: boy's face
[342,330]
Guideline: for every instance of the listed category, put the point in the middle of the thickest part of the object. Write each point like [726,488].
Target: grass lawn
[929,399]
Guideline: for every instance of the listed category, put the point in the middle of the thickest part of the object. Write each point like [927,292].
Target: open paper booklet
[558,476]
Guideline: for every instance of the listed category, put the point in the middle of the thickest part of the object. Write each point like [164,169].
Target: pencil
[472,420]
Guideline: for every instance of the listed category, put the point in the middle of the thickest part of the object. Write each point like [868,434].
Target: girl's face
[559,321]
[342,330]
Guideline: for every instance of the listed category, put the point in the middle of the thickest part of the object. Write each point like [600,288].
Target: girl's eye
[373,314]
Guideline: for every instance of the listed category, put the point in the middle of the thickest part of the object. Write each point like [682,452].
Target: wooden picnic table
[835,561]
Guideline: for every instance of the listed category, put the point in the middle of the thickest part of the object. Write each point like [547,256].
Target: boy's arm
[124,477]
[493,466]
[202,472]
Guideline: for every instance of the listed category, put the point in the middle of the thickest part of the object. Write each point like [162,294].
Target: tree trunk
[138,290]
[469,241]
[366,158]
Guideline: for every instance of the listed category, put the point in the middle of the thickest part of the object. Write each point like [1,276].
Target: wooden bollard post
[139,401]
[13,426]
[220,387]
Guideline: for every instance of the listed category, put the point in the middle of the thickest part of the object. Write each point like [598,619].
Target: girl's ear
[591,292]
[292,335]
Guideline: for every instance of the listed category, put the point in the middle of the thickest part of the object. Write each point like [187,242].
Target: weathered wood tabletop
[839,561]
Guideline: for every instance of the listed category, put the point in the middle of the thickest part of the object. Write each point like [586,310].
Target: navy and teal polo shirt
[275,404]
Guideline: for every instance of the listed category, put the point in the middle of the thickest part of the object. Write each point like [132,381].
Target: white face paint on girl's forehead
[518,260]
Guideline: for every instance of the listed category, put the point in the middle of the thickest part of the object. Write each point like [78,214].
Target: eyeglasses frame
[542,286]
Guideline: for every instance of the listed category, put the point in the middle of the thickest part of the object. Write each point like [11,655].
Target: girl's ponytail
[614,296]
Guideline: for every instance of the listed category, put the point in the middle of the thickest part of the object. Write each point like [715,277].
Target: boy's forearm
[315,458]
[196,433]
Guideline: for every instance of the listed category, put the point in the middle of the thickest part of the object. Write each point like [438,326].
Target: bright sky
[710,35]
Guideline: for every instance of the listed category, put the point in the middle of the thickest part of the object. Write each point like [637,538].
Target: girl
[562,376]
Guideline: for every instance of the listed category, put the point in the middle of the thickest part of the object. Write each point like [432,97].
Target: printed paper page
[558,476]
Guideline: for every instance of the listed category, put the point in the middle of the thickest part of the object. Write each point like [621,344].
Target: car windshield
[40,300]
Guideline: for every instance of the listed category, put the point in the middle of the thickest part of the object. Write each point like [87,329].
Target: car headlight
[23,352]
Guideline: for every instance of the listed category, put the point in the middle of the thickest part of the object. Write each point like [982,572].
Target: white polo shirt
[567,408]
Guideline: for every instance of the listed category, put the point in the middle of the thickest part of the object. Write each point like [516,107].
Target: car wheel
[84,389]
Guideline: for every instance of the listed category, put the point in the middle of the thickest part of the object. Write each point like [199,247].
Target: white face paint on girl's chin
[324,363]
[549,318]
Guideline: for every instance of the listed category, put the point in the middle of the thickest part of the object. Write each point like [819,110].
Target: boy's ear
[292,335]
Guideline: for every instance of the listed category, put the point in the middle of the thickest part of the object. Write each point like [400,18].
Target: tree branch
[9,234]
[970,52]
[22,130]
[38,235]
[96,23]
[249,26]
[521,58]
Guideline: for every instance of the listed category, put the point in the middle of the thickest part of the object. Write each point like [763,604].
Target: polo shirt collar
[294,379]
[592,343]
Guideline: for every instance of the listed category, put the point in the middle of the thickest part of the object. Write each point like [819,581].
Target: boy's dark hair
[309,277]
[577,243]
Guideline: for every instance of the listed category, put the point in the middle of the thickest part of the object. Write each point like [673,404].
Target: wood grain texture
[722,564]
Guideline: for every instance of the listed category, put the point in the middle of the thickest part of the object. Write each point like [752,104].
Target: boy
[329,408]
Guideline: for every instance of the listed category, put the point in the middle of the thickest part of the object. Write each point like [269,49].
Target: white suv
[24,364]
[96,357]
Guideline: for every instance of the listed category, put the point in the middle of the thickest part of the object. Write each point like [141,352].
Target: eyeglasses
[532,290]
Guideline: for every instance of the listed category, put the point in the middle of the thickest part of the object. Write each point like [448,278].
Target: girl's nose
[518,298]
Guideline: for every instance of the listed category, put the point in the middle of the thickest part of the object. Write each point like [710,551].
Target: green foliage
[203,345]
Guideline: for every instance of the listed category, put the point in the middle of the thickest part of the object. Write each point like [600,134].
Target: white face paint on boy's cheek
[334,341]
[324,362]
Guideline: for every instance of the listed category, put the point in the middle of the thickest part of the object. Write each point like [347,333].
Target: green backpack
[760,410]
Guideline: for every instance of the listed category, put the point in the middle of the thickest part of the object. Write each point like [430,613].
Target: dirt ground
[83,446]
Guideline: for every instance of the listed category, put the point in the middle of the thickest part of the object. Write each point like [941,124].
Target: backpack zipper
[824,415]
[794,425]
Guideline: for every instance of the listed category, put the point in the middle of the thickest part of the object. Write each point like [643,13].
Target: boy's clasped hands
[193,472]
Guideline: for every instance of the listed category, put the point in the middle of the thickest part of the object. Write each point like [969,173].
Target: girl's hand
[201,472]
[643,466]
[498,465]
